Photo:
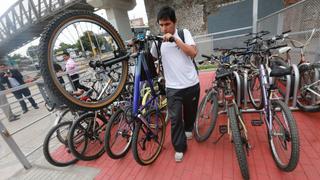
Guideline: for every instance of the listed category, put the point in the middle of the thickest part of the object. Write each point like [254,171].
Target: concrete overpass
[25,20]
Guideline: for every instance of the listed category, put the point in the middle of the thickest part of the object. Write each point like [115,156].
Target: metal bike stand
[245,85]
[296,84]
[246,96]
[238,87]
[288,88]
[14,147]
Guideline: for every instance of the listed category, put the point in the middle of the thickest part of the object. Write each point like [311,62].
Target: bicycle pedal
[223,129]
[256,122]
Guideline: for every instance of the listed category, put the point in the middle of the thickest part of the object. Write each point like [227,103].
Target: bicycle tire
[252,83]
[114,120]
[238,144]
[135,141]
[63,118]
[210,98]
[90,136]
[55,90]
[54,156]
[294,137]
[162,100]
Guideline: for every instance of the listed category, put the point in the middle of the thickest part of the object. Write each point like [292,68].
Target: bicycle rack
[14,147]
[245,85]
[238,88]
[296,84]
[296,79]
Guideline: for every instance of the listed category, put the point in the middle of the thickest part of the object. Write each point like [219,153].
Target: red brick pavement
[218,161]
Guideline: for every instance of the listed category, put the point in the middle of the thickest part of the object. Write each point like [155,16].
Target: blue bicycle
[141,124]
[150,128]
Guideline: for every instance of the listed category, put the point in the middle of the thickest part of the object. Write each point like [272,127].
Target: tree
[65,46]
[32,51]
[98,41]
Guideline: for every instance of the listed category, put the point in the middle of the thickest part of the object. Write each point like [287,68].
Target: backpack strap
[181,35]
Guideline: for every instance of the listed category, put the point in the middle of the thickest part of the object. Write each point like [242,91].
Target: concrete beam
[108,4]
[117,13]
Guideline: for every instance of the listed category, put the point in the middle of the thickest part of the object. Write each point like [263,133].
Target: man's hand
[167,37]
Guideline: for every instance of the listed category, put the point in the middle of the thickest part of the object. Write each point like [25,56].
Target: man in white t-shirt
[181,77]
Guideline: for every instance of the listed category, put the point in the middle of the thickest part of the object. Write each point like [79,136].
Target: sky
[137,12]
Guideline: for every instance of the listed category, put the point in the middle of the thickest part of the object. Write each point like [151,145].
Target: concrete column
[117,13]
[120,20]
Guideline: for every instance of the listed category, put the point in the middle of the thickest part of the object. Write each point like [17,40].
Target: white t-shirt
[179,70]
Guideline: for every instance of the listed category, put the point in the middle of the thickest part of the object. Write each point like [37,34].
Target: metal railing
[6,135]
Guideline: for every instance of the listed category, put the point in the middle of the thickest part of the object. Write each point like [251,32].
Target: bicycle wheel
[146,143]
[66,115]
[206,117]
[239,145]
[284,137]
[87,132]
[255,92]
[162,104]
[97,43]
[118,134]
[306,100]
[56,151]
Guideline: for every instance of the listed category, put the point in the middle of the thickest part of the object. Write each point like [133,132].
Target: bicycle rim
[206,117]
[118,135]
[147,146]
[284,138]
[96,40]
[55,152]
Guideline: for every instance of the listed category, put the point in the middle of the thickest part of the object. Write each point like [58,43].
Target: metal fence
[225,39]
[300,18]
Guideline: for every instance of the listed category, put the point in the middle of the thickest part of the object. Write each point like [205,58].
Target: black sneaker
[14,118]
[36,107]
[25,111]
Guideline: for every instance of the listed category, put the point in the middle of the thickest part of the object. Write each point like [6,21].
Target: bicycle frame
[136,111]
[265,95]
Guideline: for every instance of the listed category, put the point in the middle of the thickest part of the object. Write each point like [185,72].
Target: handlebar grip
[252,43]
[171,39]
[285,32]
[206,56]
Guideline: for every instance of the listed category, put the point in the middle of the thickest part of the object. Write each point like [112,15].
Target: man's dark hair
[66,53]
[167,13]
